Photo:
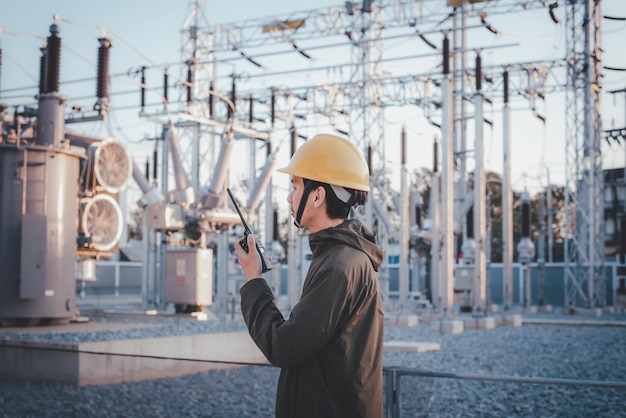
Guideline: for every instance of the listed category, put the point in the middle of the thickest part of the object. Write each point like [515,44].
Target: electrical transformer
[189,278]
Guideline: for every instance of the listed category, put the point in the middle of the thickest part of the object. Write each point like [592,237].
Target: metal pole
[447,195]
[437,280]
[292,235]
[222,273]
[541,248]
[479,286]
[507,199]
[404,231]
[549,222]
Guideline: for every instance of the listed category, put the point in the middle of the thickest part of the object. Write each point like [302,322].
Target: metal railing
[393,375]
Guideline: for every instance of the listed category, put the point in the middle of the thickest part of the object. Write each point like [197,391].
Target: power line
[102,353]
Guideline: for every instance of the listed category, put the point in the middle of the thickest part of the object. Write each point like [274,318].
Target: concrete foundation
[403,320]
[479,323]
[78,364]
[511,319]
[447,326]
[410,346]
[486,323]
[590,312]
[493,308]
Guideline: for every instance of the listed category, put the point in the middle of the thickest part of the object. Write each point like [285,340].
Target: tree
[134,229]
[555,220]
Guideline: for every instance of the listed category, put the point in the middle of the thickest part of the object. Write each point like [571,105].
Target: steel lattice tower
[354,101]
[584,245]
[196,138]
[366,111]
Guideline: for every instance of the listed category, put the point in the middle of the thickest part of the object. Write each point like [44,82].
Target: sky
[148,32]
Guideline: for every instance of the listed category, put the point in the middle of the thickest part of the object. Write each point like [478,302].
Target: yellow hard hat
[330,159]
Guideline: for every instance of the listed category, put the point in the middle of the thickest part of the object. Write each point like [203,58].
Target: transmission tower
[353,101]
[584,245]
[196,77]
[366,117]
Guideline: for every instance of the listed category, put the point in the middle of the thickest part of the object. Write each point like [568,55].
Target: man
[330,348]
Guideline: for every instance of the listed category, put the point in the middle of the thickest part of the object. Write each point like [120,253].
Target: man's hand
[250,261]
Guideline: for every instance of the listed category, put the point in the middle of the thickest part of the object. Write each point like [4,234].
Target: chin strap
[305,196]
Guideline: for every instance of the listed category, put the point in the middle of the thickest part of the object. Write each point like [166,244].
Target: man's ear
[319,196]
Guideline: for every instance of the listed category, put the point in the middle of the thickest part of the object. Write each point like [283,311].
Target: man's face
[295,197]
[297,187]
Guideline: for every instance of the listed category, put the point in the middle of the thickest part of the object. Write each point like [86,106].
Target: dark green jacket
[330,348]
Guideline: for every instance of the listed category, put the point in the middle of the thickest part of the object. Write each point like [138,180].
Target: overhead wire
[145,356]
[120,77]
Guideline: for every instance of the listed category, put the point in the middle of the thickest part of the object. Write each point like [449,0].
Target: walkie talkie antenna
[245,225]
[266,262]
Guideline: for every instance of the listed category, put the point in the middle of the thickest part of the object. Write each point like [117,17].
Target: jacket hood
[354,234]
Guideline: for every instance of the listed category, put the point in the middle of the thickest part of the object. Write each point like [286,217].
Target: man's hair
[335,208]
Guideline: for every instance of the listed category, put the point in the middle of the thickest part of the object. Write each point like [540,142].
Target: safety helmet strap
[308,187]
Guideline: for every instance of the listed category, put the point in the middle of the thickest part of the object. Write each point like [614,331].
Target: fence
[420,398]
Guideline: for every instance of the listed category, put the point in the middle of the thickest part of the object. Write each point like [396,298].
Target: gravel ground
[589,352]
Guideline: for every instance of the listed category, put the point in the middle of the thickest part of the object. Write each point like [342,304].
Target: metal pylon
[197,141]
[584,242]
[366,118]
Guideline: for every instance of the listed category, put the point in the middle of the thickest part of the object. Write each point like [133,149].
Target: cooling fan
[101,222]
[112,165]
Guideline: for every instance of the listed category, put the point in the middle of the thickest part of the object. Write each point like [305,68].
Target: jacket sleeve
[313,321]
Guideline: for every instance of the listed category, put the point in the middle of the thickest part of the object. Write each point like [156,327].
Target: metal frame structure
[584,245]
[354,97]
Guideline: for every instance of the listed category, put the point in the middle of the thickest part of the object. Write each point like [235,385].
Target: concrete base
[531,309]
[403,320]
[410,346]
[447,326]
[593,312]
[493,308]
[469,323]
[479,323]
[70,363]
[486,323]
[513,320]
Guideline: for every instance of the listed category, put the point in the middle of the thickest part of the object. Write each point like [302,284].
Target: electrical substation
[245,95]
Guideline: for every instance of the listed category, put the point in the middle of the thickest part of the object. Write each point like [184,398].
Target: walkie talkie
[265,261]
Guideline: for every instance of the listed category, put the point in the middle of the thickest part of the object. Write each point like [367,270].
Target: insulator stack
[525,216]
[479,73]
[251,110]
[273,108]
[155,159]
[42,71]
[233,97]
[165,85]
[294,135]
[446,56]
[276,234]
[102,89]
[435,155]
[505,86]
[403,148]
[469,222]
[418,216]
[211,93]
[143,88]
[189,82]
[53,61]
[622,230]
